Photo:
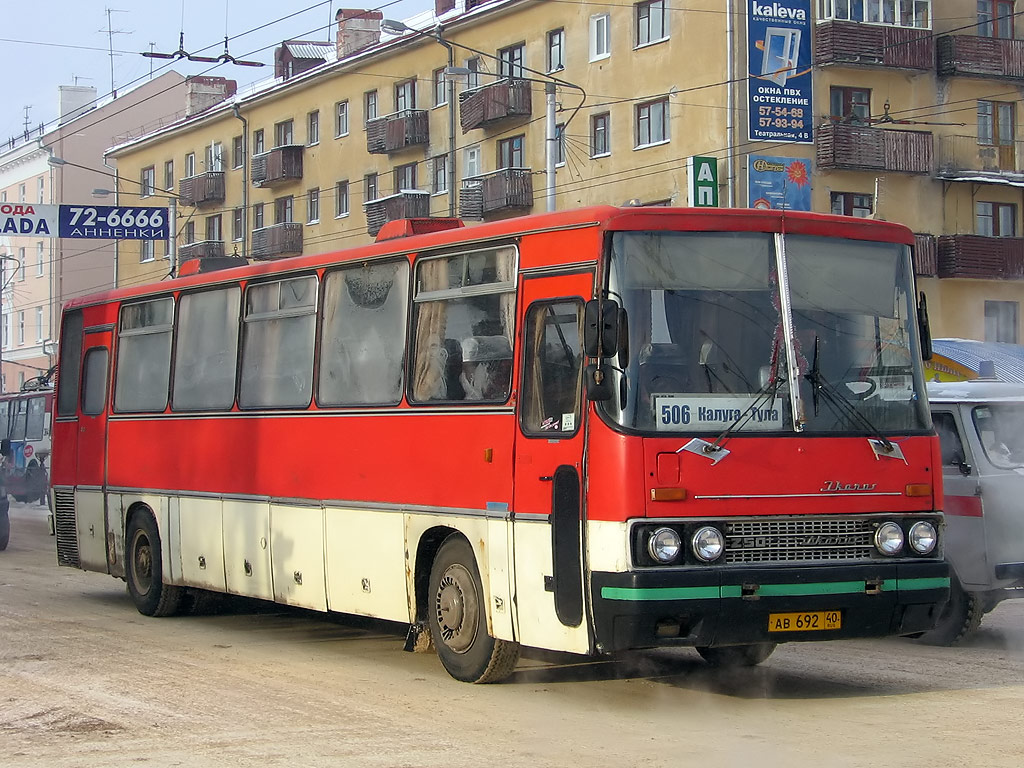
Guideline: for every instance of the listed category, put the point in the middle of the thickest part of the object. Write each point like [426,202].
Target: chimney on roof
[74,100]
[357,30]
[202,92]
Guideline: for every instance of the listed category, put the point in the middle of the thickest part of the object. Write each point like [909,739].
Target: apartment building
[904,110]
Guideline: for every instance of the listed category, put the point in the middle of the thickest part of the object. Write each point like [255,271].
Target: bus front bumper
[734,606]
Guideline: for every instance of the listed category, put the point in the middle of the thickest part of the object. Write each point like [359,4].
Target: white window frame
[341,195]
[556,50]
[313,128]
[39,324]
[341,119]
[658,105]
[147,251]
[600,36]
[40,258]
[313,206]
[471,162]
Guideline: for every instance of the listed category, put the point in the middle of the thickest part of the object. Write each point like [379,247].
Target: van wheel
[145,569]
[458,618]
[959,619]
[730,656]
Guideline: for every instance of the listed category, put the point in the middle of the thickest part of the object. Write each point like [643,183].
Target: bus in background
[586,431]
[25,423]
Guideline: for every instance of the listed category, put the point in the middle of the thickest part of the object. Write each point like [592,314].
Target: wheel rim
[457,608]
[142,563]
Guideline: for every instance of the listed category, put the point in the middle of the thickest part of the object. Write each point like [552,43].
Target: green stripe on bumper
[769,590]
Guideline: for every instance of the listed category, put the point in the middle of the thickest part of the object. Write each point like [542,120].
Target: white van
[981,429]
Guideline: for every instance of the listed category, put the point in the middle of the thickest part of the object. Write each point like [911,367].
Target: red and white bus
[25,422]
[584,431]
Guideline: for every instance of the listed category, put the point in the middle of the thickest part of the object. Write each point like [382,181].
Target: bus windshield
[710,346]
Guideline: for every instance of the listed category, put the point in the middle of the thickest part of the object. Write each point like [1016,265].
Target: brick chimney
[357,30]
[203,92]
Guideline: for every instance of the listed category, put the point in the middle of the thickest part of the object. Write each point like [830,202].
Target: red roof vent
[406,227]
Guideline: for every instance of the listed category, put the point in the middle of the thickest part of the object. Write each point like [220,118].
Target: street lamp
[394,27]
[172,218]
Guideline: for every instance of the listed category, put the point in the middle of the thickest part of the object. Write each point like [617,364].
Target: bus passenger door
[548,520]
[90,472]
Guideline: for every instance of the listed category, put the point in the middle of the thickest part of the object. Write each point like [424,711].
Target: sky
[49,43]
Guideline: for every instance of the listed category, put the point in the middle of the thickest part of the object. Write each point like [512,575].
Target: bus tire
[959,619]
[458,618]
[731,656]
[145,569]
[5,525]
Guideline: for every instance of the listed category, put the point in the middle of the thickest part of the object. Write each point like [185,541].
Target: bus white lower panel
[297,555]
[202,542]
[92,530]
[247,548]
[366,563]
[607,546]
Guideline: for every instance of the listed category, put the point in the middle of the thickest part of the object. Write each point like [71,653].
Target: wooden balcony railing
[863,148]
[391,133]
[964,155]
[926,255]
[203,249]
[277,240]
[407,204]
[855,44]
[978,256]
[980,56]
[278,166]
[493,103]
[502,190]
[201,189]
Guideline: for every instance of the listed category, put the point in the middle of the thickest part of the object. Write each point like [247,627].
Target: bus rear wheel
[727,656]
[458,618]
[145,569]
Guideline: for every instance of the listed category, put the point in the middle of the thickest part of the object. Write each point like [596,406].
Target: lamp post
[396,28]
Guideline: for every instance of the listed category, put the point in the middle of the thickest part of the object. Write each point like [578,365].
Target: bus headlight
[889,538]
[664,545]
[922,537]
[708,543]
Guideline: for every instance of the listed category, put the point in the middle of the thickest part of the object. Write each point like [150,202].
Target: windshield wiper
[839,404]
[767,394]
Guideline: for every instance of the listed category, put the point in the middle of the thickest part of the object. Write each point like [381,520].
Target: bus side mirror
[601,328]
[924,328]
[596,381]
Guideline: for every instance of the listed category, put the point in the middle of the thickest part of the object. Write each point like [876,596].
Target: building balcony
[391,133]
[203,249]
[978,256]
[842,146]
[277,240]
[201,189]
[278,166]
[962,157]
[407,204]
[926,255]
[507,189]
[849,43]
[489,104]
[980,56]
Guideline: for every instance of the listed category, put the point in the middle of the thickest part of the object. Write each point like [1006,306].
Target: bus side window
[949,439]
[552,371]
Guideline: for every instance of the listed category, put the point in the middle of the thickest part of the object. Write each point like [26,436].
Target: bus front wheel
[458,618]
[145,569]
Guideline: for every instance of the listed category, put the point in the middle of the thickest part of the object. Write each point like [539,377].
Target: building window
[600,37]
[851,105]
[257,215]
[21,264]
[237,152]
[473,78]
[190,232]
[995,19]
[341,119]
[313,206]
[313,128]
[651,22]
[284,210]
[39,324]
[900,13]
[510,152]
[996,123]
[405,177]
[510,60]
[369,187]
[169,175]
[369,106]
[471,162]
[440,88]
[652,123]
[284,134]
[599,125]
[40,258]
[341,199]
[995,219]
[21,193]
[405,96]
[851,204]
[215,157]
[238,224]
[556,50]
[147,251]
[560,144]
[214,229]
[7,330]
[21,327]
[190,165]
[1001,321]
[439,168]
[258,146]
